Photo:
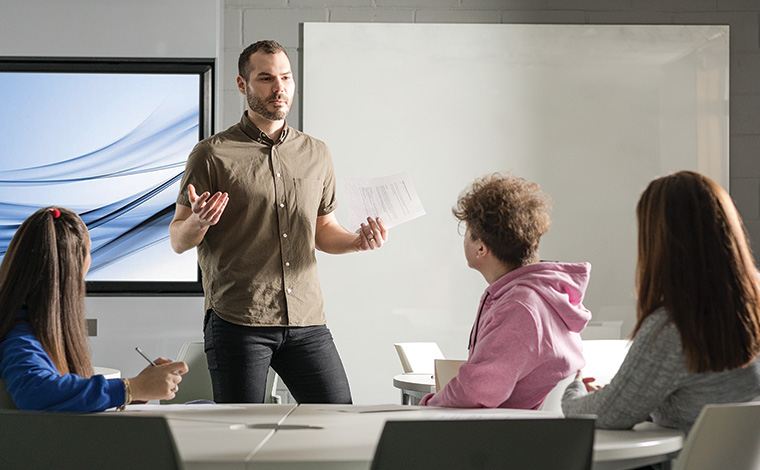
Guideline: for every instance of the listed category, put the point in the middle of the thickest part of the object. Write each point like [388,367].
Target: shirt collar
[253,131]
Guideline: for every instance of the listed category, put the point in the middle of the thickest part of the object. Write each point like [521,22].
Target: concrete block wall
[246,21]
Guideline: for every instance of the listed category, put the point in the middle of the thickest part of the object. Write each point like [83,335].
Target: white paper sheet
[372,408]
[392,198]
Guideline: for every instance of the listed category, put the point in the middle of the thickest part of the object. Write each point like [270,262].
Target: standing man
[272,205]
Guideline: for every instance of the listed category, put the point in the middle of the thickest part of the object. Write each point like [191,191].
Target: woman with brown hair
[697,334]
[44,359]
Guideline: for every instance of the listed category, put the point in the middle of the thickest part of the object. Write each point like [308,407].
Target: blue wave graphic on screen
[143,150]
[124,191]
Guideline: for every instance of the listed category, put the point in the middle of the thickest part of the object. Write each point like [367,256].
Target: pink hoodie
[525,340]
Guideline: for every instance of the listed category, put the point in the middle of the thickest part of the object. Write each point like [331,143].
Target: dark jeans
[305,358]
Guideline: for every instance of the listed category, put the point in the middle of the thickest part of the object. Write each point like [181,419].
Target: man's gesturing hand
[208,210]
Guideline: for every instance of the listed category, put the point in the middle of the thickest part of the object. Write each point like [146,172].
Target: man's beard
[259,106]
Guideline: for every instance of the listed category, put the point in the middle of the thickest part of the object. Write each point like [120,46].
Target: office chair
[723,436]
[602,330]
[418,357]
[517,444]
[553,401]
[603,358]
[45,440]
[445,370]
[196,384]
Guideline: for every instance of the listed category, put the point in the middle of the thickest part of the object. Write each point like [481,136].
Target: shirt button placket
[280,196]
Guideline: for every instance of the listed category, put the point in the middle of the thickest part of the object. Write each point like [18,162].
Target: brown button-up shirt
[258,263]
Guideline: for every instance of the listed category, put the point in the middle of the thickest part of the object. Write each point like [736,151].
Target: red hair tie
[56,213]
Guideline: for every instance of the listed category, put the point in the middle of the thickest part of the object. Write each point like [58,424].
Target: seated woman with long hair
[697,334]
[44,359]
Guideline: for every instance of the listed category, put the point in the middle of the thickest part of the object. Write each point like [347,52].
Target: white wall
[247,21]
[112,28]
[576,108]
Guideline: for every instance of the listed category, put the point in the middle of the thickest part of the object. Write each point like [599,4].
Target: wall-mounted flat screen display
[107,138]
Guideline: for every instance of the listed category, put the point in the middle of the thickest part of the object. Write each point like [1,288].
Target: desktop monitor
[107,138]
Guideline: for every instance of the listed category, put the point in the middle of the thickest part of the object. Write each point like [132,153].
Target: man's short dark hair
[267,46]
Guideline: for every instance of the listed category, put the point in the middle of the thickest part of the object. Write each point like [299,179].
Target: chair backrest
[553,401]
[418,357]
[602,330]
[519,444]
[603,358]
[445,370]
[44,440]
[271,395]
[196,383]
[723,436]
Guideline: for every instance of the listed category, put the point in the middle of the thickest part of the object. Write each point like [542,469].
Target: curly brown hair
[508,214]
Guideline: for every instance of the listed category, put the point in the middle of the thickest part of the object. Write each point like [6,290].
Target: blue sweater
[34,383]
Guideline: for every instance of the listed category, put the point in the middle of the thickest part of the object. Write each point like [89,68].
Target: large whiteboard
[591,113]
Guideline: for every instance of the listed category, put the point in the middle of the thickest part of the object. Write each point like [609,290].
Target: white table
[218,437]
[348,436]
[343,438]
[107,372]
[646,444]
[414,387]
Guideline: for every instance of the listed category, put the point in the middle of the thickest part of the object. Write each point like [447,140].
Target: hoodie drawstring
[474,331]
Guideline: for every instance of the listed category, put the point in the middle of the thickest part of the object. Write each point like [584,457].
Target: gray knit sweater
[653,384]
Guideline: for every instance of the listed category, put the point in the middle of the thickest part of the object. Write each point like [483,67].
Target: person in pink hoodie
[526,334]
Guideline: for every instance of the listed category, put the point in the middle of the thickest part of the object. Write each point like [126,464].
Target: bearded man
[256,200]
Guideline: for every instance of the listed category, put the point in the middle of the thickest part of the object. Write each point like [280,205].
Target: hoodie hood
[561,285]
